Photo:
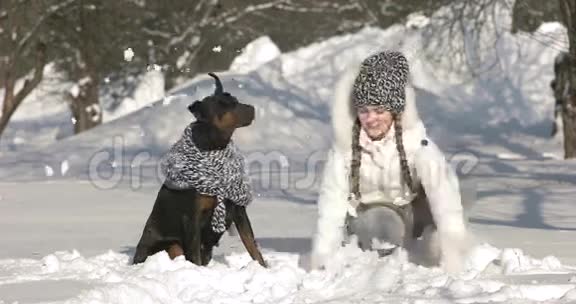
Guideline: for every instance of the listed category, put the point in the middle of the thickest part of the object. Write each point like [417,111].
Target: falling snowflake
[73,120]
[18,140]
[217,49]
[64,167]
[128,54]
[167,100]
[181,61]
[74,91]
[154,67]
[94,111]
[48,170]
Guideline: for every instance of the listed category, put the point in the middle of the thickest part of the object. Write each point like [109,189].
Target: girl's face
[375,121]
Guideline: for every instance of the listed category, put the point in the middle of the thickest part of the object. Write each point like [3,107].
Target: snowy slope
[73,210]
[508,109]
[44,116]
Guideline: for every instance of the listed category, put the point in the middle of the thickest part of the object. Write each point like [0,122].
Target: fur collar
[343,113]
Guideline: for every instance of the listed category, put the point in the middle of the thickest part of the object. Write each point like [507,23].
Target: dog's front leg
[192,238]
[247,235]
[201,214]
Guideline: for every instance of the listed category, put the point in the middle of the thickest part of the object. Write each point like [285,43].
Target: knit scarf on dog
[218,173]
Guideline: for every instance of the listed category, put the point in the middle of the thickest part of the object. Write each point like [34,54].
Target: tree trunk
[84,104]
[12,100]
[569,119]
[565,69]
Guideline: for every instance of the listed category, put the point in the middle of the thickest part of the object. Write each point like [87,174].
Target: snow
[255,54]
[73,209]
[235,278]
[182,59]
[128,54]
[95,110]
[64,167]
[49,171]
[217,49]
[149,89]
[74,91]
[551,28]
[417,20]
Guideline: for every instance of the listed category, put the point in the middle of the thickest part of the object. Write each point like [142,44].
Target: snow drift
[357,277]
[502,114]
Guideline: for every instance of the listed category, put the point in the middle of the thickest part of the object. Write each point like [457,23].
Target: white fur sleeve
[443,191]
[332,208]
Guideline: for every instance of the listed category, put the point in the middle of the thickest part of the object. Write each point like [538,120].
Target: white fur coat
[380,179]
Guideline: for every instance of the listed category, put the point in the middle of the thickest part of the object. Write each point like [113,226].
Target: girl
[385,180]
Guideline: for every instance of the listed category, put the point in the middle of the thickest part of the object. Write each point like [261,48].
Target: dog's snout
[246,114]
[251,112]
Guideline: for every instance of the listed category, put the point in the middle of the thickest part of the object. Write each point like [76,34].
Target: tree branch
[315,7]
[361,5]
[32,32]
[157,33]
[199,8]
[29,85]
[199,21]
[3,15]
[235,15]
[12,102]
[568,11]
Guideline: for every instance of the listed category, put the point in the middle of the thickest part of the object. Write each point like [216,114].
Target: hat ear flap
[196,109]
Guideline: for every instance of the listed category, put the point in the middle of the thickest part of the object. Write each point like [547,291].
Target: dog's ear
[196,109]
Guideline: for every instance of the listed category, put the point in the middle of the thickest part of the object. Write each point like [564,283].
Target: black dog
[180,219]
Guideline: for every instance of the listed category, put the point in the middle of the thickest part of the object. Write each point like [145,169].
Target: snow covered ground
[73,210]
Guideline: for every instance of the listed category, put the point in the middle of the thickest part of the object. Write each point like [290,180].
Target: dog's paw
[264,264]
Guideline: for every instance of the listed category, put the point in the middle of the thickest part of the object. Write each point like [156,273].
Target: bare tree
[187,33]
[528,15]
[91,38]
[83,100]
[471,32]
[465,32]
[13,98]
[20,26]
[87,37]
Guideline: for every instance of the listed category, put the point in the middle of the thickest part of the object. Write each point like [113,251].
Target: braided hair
[401,152]
[354,178]
[356,161]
